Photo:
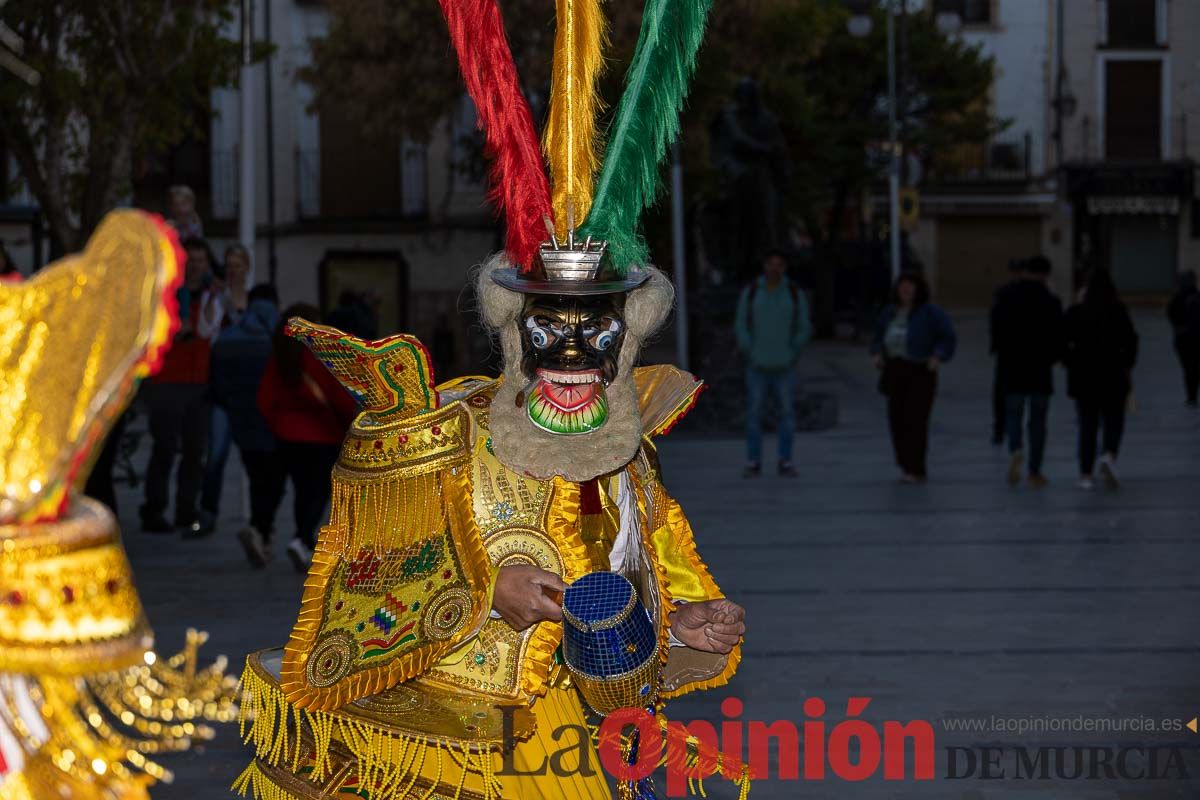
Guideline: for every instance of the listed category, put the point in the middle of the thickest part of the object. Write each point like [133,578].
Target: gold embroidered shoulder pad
[400,575]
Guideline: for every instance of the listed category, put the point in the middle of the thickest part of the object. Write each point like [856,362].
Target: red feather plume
[520,190]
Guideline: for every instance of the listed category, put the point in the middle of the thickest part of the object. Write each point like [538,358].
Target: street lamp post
[1063,101]
[859,26]
[246,138]
[893,146]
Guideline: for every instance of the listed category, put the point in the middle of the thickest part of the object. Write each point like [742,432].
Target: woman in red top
[309,412]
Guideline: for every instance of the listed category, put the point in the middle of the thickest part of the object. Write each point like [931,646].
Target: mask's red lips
[570,390]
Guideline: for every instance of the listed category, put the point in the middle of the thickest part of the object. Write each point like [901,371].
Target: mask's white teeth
[564,377]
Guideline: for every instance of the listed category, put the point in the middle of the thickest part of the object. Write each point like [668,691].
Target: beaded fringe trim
[253,783]
[391,764]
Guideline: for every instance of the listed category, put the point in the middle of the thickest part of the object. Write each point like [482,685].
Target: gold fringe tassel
[391,513]
[390,764]
[253,783]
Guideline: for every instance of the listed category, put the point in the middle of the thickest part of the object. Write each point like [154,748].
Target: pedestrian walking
[772,327]
[308,411]
[177,404]
[1102,347]
[1027,333]
[225,303]
[913,338]
[1184,313]
[239,361]
[1016,271]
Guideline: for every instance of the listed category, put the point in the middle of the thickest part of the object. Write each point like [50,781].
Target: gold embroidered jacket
[395,613]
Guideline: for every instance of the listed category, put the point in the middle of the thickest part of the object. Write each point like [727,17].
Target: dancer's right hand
[522,596]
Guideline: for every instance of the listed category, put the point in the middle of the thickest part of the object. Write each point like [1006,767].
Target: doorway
[1143,253]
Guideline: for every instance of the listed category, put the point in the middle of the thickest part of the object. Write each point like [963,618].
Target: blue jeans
[220,438]
[1014,407]
[782,384]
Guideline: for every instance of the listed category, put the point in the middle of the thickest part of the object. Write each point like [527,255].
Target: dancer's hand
[526,595]
[713,626]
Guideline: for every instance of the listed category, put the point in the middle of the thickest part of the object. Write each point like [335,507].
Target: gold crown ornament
[570,267]
[74,341]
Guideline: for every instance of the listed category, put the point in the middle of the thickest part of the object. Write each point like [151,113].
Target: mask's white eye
[539,338]
[605,340]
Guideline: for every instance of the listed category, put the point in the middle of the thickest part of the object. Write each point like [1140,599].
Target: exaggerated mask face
[569,349]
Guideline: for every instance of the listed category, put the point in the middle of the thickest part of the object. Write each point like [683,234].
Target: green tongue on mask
[567,409]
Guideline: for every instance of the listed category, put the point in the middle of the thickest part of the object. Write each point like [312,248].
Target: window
[1133,110]
[1133,23]
[359,178]
[972,12]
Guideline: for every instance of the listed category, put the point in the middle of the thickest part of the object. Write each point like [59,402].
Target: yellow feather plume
[571,140]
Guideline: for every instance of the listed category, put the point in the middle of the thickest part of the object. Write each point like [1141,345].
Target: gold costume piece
[396,682]
[84,701]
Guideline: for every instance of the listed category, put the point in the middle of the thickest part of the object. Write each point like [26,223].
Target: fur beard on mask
[527,449]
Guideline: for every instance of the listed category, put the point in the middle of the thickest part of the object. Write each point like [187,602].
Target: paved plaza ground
[960,599]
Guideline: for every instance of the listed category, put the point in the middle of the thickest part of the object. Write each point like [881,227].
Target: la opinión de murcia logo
[850,749]
[700,749]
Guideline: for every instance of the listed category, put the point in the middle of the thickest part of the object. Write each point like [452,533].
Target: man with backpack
[772,327]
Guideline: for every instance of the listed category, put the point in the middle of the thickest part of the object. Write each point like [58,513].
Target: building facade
[397,221]
[1134,66]
[990,204]
[1095,166]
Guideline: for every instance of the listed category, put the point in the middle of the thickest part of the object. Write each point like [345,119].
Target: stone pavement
[960,599]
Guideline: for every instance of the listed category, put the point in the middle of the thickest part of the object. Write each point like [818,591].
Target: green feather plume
[646,122]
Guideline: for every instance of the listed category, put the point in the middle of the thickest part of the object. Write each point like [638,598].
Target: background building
[1135,67]
[1093,168]
[1124,198]
[399,221]
[985,205]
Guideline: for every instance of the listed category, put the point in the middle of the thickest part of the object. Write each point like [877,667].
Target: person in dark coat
[1184,313]
[1027,334]
[913,338]
[1102,347]
[239,360]
[1016,271]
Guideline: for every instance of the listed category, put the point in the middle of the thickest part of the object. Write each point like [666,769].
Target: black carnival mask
[569,349]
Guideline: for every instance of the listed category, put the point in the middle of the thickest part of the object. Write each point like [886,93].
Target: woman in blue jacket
[913,337]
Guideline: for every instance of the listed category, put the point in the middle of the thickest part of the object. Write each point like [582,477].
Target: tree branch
[185,52]
[18,139]
[120,42]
